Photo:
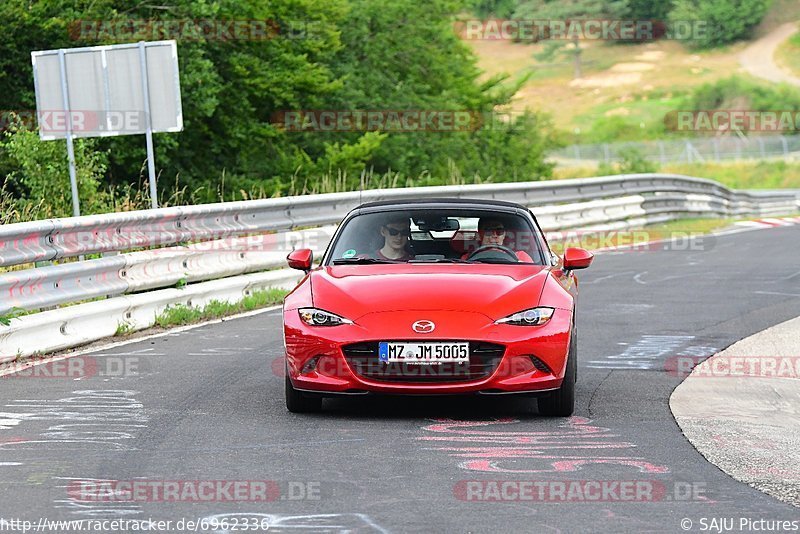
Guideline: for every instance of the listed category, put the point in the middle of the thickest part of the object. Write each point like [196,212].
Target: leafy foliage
[736,93]
[725,20]
[657,10]
[569,10]
[632,161]
[41,175]
[494,8]
[346,55]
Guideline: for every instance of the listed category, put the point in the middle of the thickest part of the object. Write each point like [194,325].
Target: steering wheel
[501,248]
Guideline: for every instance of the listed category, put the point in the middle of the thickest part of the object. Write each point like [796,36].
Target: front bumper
[531,359]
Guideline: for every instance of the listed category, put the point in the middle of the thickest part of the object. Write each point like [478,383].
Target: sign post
[102,91]
[148,132]
[73,178]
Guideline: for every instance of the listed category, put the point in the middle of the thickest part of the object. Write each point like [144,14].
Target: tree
[656,10]
[426,67]
[569,10]
[347,55]
[41,178]
[494,8]
[725,20]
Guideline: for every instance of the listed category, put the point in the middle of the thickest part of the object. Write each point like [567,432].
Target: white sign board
[108,91]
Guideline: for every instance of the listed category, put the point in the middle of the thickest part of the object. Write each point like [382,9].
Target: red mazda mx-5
[434,297]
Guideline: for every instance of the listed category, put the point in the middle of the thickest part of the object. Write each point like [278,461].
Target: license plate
[430,352]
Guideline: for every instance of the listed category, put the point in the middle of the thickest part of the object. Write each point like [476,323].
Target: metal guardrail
[229,239]
[561,205]
[55,239]
[73,326]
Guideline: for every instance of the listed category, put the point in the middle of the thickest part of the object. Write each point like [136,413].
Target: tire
[561,403]
[299,402]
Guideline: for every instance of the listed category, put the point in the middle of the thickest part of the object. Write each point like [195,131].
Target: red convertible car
[433,297]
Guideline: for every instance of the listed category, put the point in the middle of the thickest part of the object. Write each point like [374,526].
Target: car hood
[493,290]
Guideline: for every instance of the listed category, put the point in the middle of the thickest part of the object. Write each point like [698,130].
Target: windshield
[437,236]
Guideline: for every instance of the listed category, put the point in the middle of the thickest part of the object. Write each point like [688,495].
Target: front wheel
[561,403]
[298,402]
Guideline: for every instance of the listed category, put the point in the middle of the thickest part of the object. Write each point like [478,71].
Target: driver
[396,233]
[493,232]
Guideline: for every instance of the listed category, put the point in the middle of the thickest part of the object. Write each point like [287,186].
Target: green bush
[357,55]
[649,9]
[725,20]
[632,161]
[41,176]
[736,93]
[493,8]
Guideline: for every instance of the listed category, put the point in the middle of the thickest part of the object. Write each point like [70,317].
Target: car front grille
[483,360]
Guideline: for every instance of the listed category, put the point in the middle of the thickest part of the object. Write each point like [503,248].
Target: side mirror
[577,258]
[300,259]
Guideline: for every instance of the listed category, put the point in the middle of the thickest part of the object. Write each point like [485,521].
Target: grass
[5,320]
[636,80]
[181,314]
[123,329]
[735,175]
[788,54]
[745,175]
[687,226]
[643,115]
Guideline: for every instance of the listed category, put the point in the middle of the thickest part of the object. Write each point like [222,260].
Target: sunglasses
[395,232]
[494,231]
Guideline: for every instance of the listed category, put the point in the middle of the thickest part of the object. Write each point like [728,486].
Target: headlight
[315,317]
[531,317]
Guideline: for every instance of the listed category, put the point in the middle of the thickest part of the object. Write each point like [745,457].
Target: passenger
[396,233]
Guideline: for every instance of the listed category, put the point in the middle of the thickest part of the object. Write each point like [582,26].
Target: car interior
[438,236]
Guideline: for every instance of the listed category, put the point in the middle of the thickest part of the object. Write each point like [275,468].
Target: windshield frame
[542,249]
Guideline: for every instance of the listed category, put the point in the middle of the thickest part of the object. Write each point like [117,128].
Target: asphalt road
[206,405]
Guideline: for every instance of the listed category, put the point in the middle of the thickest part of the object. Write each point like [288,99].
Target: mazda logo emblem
[423,327]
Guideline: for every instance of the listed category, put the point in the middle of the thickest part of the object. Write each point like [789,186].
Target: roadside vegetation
[180,314]
[371,55]
[788,54]
[341,55]
[735,175]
